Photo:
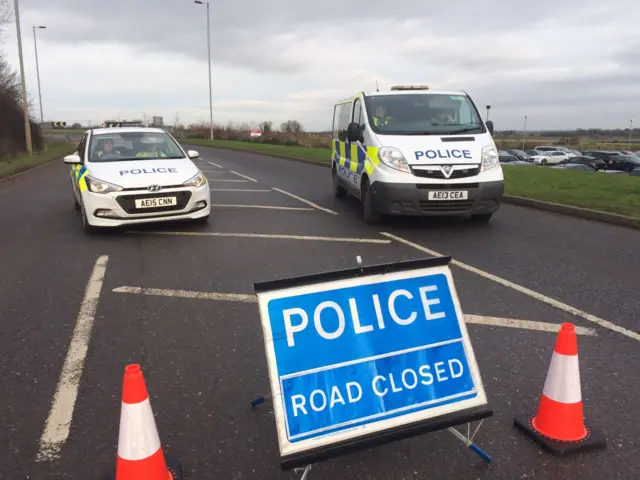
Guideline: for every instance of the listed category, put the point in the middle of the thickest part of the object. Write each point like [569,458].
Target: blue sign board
[355,356]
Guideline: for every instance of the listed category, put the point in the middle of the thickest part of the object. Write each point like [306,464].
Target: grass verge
[618,194]
[322,155]
[597,191]
[20,163]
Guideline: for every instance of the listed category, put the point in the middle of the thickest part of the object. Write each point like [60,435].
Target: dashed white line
[268,207]
[230,297]
[303,200]
[523,324]
[265,235]
[227,180]
[58,423]
[531,293]
[215,164]
[244,176]
[237,190]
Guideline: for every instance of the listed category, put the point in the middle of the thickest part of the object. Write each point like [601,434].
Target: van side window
[357,113]
[345,117]
[336,120]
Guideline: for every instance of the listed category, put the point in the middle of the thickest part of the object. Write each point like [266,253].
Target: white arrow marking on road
[215,164]
[266,235]
[237,297]
[303,200]
[59,421]
[244,176]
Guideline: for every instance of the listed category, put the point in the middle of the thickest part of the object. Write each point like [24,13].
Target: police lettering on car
[128,175]
[415,151]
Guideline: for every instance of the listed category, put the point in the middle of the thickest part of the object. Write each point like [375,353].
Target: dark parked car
[628,163]
[506,157]
[521,155]
[612,159]
[595,163]
[576,166]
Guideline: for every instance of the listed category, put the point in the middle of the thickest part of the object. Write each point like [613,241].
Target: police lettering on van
[416,151]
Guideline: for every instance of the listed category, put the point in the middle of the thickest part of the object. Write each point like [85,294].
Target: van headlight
[489,158]
[196,181]
[99,186]
[393,158]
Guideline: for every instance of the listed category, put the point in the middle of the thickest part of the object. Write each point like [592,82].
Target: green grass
[321,155]
[597,191]
[11,166]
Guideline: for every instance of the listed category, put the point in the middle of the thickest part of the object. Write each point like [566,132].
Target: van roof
[405,92]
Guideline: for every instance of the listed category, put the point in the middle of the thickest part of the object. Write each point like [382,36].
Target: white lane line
[265,235]
[268,207]
[531,293]
[314,205]
[215,164]
[227,180]
[237,190]
[229,297]
[236,297]
[523,324]
[58,423]
[244,176]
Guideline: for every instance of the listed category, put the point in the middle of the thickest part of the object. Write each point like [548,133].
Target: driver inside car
[106,148]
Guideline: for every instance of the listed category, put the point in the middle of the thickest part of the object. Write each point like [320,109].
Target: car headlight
[490,158]
[196,181]
[393,158]
[99,186]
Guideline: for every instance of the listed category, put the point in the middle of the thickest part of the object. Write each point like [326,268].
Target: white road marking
[58,423]
[237,190]
[236,297]
[268,207]
[314,205]
[215,164]
[266,235]
[523,324]
[531,293]
[229,297]
[244,176]
[227,180]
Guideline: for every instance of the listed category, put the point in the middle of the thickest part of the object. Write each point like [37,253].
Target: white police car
[133,175]
[415,151]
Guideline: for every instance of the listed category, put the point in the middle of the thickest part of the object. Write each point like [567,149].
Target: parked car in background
[575,166]
[610,158]
[628,163]
[505,157]
[595,163]
[635,172]
[520,154]
[549,148]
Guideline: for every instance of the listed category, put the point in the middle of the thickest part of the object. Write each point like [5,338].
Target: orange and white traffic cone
[140,455]
[558,426]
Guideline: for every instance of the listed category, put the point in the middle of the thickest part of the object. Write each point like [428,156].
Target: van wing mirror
[489,124]
[354,133]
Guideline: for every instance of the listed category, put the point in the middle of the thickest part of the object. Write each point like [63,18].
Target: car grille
[467,172]
[457,206]
[128,202]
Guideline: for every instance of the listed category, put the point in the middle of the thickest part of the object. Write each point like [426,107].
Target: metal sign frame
[419,421]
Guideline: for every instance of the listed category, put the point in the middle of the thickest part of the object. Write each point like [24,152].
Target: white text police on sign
[372,349]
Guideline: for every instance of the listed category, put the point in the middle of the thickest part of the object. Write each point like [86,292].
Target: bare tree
[291,126]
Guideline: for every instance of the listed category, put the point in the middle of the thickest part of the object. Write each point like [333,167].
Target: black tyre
[481,217]
[544,162]
[76,205]
[202,220]
[369,213]
[86,226]
[338,190]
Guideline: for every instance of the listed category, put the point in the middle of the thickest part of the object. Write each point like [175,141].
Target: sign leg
[305,473]
[468,441]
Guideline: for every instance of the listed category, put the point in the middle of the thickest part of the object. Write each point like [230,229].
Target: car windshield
[123,146]
[422,114]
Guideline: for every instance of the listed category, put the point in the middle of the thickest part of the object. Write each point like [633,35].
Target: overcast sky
[563,63]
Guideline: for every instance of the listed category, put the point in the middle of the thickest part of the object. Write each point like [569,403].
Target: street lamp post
[200,2]
[25,104]
[630,130]
[524,138]
[35,45]
[488,108]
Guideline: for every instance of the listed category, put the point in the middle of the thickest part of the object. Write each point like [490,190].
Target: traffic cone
[558,426]
[140,455]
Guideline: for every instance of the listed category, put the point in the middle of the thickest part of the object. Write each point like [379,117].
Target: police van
[133,175]
[416,151]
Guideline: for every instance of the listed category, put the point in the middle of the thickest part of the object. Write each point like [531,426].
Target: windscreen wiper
[464,130]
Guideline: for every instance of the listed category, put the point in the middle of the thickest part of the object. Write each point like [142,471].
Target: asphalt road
[204,359]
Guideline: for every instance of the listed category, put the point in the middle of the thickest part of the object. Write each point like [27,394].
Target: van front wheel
[369,213]
[338,190]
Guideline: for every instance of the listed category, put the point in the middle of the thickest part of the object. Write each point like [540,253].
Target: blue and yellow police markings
[80,172]
[353,159]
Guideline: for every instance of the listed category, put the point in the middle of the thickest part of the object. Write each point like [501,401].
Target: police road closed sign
[353,357]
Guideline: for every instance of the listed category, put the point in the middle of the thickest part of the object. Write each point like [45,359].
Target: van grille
[458,206]
[467,172]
